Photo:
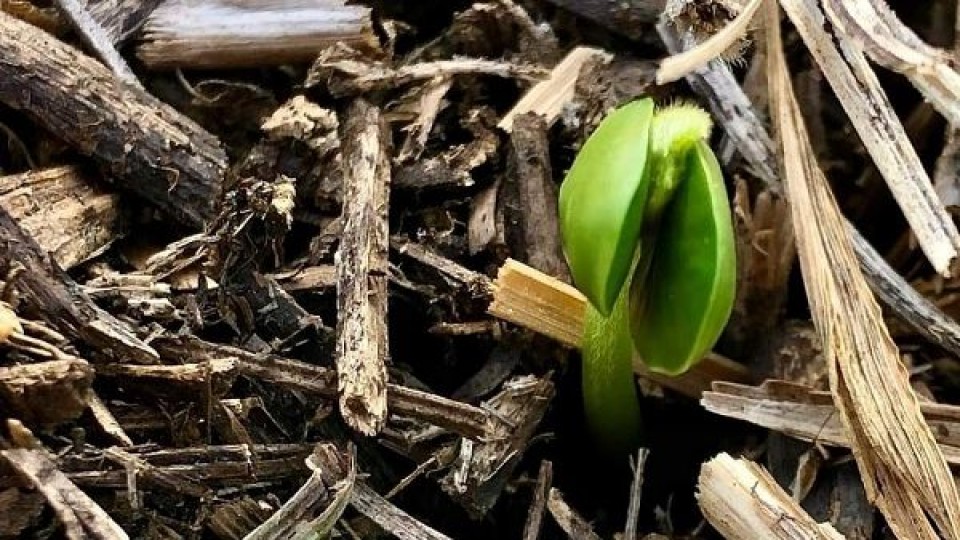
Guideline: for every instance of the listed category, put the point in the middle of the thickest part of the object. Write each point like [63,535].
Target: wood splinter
[534,300]
[362,268]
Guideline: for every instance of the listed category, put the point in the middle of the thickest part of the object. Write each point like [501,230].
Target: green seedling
[648,236]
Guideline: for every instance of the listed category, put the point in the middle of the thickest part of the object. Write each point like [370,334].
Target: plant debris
[293,269]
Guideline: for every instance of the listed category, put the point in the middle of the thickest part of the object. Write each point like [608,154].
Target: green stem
[609,393]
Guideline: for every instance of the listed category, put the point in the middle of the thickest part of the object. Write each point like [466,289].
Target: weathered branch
[147,147]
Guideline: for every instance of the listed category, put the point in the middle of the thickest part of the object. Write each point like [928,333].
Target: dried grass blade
[858,89]
[680,65]
[903,469]
[877,30]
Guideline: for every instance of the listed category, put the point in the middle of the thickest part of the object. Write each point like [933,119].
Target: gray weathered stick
[222,34]
[94,35]
[120,19]
[856,86]
[79,514]
[390,518]
[531,529]
[362,269]
[148,147]
[47,292]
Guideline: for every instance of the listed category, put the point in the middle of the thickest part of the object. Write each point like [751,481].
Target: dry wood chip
[743,502]
[529,199]
[303,120]
[531,529]
[636,492]
[482,468]
[65,210]
[390,518]
[429,106]
[548,97]
[106,420]
[97,38]
[569,520]
[362,268]
[200,381]
[903,469]
[46,393]
[81,517]
[810,415]
[317,506]
[137,469]
[856,86]
[217,33]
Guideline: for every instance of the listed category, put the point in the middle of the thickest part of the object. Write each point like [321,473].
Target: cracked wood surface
[362,268]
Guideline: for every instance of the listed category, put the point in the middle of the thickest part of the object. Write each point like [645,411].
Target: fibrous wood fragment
[146,146]
[318,279]
[460,418]
[547,98]
[140,471]
[856,85]
[810,415]
[46,393]
[679,65]
[742,501]
[317,506]
[120,19]
[538,506]
[345,72]
[65,211]
[225,34]
[569,520]
[80,516]
[48,293]
[481,470]
[903,468]
[362,269]
[97,39]
[541,303]
[106,420]
[873,27]
[390,518]
[236,519]
[201,381]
